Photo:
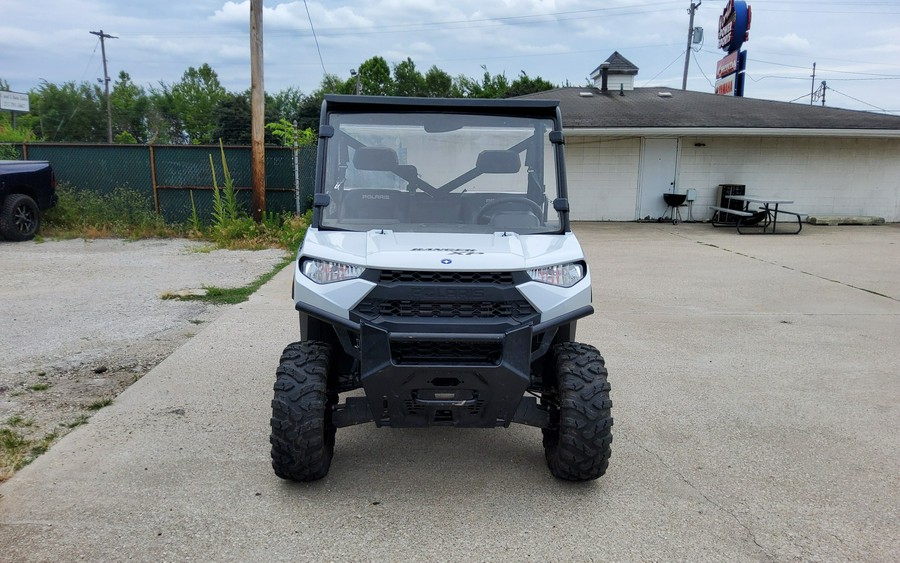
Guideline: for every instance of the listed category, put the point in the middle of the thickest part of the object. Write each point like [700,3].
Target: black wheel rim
[23,218]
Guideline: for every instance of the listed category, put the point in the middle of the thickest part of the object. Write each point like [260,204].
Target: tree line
[199,110]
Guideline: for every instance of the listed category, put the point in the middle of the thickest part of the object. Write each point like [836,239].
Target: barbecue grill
[673,202]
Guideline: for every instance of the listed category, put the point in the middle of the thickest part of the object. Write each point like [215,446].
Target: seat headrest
[498,162]
[375,158]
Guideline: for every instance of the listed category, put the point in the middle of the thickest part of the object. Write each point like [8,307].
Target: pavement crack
[700,492]
[804,272]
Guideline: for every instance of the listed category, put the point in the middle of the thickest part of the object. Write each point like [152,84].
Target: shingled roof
[666,108]
[618,65]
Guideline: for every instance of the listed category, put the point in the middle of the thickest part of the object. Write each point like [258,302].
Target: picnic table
[762,221]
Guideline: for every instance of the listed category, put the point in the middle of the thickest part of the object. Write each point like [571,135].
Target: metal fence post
[153,179]
[296,169]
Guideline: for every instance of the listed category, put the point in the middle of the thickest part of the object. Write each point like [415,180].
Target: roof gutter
[727,132]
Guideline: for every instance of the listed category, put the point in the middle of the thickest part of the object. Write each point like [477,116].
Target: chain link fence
[171,175]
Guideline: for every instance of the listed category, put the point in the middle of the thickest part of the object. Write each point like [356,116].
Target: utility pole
[812,87]
[687,53]
[257,111]
[824,87]
[103,36]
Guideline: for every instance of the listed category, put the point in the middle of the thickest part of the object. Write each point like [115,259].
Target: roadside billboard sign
[14,101]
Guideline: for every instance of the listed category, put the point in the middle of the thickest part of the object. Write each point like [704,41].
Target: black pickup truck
[27,187]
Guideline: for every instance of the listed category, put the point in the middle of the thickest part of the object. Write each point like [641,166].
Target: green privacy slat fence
[171,174]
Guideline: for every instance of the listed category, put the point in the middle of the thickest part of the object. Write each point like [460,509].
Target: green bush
[232,227]
[122,212]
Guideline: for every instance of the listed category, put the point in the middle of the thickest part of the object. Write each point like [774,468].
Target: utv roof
[338,102]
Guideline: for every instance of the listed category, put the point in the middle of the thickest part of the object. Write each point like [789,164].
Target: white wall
[603,177]
[822,175]
[826,176]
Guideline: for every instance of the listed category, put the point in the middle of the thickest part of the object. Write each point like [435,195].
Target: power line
[856,99]
[885,64]
[798,98]
[665,69]
[90,60]
[830,70]
[703,73]
[443,24]
[314,37]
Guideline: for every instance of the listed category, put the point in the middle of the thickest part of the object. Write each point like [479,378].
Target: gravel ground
[83,319]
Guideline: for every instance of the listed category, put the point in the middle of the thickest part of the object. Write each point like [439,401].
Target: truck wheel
[578,443]
[19,218]
[302,432]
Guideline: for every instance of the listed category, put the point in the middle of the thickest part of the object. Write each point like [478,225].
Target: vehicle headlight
[325,271]
[563,275]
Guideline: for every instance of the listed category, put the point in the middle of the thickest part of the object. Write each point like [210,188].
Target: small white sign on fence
[14,101]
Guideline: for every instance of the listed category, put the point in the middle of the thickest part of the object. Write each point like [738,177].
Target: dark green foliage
[438,84]
[524,84]
[195,99]
[129,107]
[375,77]
[120,212]
[198,110]
[67,112]
[407,80]
[233,119]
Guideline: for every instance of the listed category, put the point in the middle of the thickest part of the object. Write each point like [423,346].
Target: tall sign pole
[687,53]
[257,111]
[103,36]
[734,30]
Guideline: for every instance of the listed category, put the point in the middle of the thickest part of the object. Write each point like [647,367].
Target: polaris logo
[370,196]
[456,251]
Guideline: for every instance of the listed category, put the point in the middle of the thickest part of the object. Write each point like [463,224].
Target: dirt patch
[81,320]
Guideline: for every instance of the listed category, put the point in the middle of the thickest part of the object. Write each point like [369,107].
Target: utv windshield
[426,172]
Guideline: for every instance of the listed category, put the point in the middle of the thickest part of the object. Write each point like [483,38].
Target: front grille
[433,351]
[371,308]
[403,276]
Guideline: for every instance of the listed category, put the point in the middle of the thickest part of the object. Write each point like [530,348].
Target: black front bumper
[417,391]
[443,376]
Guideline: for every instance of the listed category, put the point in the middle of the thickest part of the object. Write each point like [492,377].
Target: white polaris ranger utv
[440,275]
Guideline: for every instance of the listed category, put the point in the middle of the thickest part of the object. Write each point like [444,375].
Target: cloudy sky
[856,44]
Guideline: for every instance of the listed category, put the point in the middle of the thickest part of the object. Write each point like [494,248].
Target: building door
[658,160]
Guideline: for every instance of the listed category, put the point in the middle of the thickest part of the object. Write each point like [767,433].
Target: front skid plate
[443,394]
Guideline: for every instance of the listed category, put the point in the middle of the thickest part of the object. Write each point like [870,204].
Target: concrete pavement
[756,406]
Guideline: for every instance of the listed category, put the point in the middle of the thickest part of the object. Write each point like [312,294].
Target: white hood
[442,251]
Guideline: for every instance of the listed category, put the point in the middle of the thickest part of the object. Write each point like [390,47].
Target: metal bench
[760,221]
[718,221]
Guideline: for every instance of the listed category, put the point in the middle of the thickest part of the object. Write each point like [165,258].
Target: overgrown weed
[17,451]
[122,212]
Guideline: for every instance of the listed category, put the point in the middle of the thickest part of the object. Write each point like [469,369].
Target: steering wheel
[482,217]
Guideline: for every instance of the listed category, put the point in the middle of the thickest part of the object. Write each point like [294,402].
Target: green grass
[232,295]
[17,451]
[17,421]
[83,419]
[97,405]
[40,387]
[128,213]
